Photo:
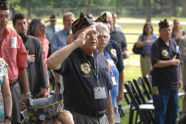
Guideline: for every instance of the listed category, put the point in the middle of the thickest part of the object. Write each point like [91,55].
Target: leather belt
[13,83]
[97,114]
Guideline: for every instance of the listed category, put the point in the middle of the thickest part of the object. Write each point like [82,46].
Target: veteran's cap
[4,5]
[102,18]
[80,23]
[164,24]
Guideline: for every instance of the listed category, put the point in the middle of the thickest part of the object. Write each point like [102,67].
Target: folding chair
[136,105]
[146,92]
[138,85]
[148,82]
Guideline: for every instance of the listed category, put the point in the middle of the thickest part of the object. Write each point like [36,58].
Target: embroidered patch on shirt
[113,52]
[165,53]
[85,68]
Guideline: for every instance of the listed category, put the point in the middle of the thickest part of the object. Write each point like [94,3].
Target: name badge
[14,42]
[99,93]
[113,80]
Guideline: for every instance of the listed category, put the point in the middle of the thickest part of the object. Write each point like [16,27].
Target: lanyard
[95,71]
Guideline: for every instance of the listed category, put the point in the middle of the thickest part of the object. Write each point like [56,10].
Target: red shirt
[12,50]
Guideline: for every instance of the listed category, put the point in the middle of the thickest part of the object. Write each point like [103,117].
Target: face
[21,26]
[4,17]
[53,21]
[165,33]
[67,22]
[148,29]
[110,21]
[91,38]
[176,23]
[114,17]
[102,39]
[42,29]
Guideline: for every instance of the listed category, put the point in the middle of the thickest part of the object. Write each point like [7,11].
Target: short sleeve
[22,54]
[3,67]
[124,42]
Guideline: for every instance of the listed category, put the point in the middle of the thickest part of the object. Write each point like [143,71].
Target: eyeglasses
[103,36]
[92,33]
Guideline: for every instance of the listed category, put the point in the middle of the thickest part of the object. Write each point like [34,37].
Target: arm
[166,63]
[56,59]
[24,80]
[41,68]
[7,97]
[121,86]
[181,77]
[109,110]
[125,53]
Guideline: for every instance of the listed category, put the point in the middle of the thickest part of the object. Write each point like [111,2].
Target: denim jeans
[166,106]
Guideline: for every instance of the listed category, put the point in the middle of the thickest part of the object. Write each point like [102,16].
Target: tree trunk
[184,8]
[148,10]
[28,5]
[88,6]
[173,7]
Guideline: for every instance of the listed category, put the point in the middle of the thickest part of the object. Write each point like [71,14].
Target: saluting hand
[82,38]
[175,61]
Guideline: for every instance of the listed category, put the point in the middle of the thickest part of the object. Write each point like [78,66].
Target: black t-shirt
[116,54]
[119,38]
[167,77]
[79,76]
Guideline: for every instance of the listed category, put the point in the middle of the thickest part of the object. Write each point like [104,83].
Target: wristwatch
[8,118]
[28,94]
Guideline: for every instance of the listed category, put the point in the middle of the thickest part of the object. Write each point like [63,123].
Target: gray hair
[67,14]
[102,27]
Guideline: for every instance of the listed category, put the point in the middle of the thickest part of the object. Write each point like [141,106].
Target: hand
[180,83]
[126,54]
[31,58]
[43,92]
[65,117]
[149,41]
[82,38]
[115,108]
[69,39]
[23,106]
[175,62]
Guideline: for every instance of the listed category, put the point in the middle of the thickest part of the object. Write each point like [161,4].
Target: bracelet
[8,118]
[28,94]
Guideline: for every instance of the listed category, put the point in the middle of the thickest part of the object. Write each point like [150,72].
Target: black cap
[102,18]
[80,23]
[164,24]
[4,5]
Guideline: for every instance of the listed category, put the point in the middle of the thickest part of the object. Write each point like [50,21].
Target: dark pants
[16,96]
[166,106]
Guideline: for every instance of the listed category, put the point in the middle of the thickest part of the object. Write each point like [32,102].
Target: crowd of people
[86,58]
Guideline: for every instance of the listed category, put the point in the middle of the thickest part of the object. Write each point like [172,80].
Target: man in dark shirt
[85,75]
[36,72]
[166,76]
